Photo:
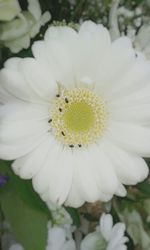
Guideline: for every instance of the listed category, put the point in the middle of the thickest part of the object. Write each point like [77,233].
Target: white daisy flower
[107,236]
[75,117]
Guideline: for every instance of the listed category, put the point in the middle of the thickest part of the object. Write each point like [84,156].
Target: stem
[113,20]
[78,238]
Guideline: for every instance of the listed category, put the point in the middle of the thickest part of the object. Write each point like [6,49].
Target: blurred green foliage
[24,210]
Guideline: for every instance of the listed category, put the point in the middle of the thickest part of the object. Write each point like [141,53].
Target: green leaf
[74,215]
[144,187]
[26,213]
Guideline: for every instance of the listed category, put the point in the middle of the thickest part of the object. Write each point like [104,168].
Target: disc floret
[78,117]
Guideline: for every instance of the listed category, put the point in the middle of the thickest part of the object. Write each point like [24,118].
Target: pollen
[78,117]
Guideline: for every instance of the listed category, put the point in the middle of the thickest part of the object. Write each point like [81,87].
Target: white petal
[107,183]
[29,165]
[13,83]
[34,8]
[85,179]
[56,238]
[118,247]
[129,167]
[6,97]
[92,241]
[55,178]
[132,81]
[94,42]
[117,235]
[12,63]
[21,131]
[90,181]
[38,50]
[114,67]
[118,231]
[130,136]
[105,197]
[74,198]
[134,113]
[21,126]
[121,191]
[69,245]
[141,96]
[39,77]
[60,176]
[17,149]
[41,180]
[58,50]
[106,224]
[21,111]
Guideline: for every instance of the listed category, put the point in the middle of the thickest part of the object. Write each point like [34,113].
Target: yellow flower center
[78,117]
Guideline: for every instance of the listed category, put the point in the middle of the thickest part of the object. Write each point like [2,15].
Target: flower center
[78,117]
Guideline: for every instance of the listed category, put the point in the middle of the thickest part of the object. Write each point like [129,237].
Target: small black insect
[50,120]
[66,100]
[57,95]
[60,109]
[71,146]
[63,133]
[79,145]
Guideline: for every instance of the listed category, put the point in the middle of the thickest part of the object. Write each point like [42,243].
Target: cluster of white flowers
[60,231]
[59,235]
[122,20]
[18,26]
[106,237]
[135,228]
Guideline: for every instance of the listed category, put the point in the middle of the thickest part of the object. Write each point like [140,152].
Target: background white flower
[59,233]
[58,239]
[142,40]
[9,9]
[8,239]
[17,33]
[16,247]
[135,228]
[75,117]
[107,236]
[60,229]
